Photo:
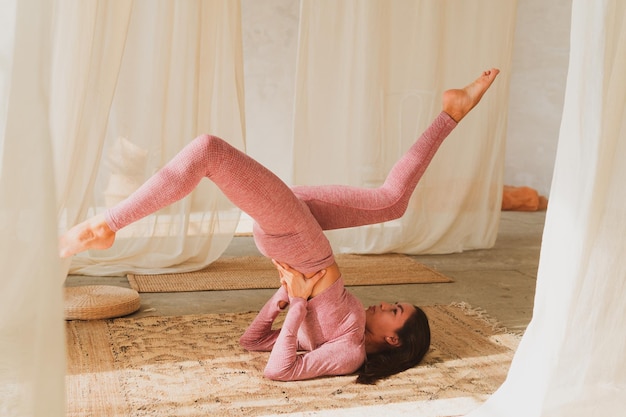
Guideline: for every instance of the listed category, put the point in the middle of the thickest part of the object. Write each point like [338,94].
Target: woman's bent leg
[248,184]
[245,182]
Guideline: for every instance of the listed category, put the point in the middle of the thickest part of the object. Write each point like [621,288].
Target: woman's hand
[295,282]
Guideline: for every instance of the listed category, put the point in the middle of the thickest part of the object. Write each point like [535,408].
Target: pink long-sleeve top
[306,346]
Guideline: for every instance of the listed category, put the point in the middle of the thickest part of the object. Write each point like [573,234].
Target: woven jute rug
[251,272]
[193,366]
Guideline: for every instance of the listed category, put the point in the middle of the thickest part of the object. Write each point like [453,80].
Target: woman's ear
[392,341]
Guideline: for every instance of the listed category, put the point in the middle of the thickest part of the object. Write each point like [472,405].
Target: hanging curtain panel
[370,76]
[571,360]
[32,349]
[133,82]
[74,84]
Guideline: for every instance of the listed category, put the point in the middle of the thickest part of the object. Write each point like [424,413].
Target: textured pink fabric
[288,228]
[330,327]
[288,223]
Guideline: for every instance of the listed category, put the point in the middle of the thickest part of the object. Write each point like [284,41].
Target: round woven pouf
[93,302]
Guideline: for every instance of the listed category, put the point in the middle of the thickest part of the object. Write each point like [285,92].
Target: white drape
[32,354]
[571,361]
[83,82]
[369,81]
[132,83]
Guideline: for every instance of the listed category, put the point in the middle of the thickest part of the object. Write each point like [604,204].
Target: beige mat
[238,273]
[193,366]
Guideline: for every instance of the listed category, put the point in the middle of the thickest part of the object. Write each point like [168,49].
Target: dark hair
[414,343]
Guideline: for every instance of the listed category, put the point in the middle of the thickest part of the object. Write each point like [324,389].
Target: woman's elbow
[276,375]
[248,344]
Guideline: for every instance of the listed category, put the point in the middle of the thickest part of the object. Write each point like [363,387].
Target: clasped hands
[296,284]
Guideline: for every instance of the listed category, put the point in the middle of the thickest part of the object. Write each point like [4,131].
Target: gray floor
[501,280]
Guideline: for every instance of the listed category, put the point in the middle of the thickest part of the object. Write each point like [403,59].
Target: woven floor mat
[193,366]
[251,272]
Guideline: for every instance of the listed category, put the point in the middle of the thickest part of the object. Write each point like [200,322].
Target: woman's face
[386,319]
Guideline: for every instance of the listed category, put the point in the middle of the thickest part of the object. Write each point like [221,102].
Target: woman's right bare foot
[93,233]
[458,102]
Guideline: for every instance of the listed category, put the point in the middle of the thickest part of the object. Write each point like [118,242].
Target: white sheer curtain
[132,83]
[75,77]
[369,80]
[32,354]
[571,361]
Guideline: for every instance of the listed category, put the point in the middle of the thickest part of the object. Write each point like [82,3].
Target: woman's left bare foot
[93,233]
[458,102]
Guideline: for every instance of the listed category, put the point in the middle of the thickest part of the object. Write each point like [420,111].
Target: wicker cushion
[93,302]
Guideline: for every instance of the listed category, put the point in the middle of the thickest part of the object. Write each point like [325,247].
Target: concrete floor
[501,280]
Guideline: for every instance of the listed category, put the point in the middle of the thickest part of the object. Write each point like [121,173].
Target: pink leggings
[288,222]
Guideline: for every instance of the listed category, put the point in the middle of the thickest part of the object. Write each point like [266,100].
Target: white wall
[540,60]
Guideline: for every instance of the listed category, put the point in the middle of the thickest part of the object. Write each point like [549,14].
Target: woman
[337,334]
[323,318]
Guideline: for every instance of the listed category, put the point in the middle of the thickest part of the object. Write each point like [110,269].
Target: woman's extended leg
[338,206]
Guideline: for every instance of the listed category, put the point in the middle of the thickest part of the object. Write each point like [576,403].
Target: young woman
[323,319]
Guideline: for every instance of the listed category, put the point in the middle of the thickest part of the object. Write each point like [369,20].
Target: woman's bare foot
[93,233]
[458,102]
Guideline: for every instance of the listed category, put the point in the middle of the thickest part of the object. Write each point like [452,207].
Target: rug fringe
[482,315]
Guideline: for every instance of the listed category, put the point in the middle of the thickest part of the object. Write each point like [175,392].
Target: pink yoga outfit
[289,224]
[329,327]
